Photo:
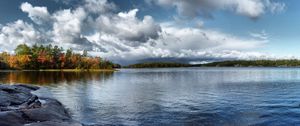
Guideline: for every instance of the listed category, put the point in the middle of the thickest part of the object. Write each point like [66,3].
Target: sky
[132,31]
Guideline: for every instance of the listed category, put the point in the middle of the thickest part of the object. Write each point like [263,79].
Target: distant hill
[157,65]
[236,63]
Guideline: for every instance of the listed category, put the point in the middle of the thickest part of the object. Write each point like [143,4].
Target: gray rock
[15,95]
[51,110]
[12,118]
[19,107]
[54,123]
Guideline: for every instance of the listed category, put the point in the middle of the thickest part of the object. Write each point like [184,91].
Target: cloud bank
[98,26]
[250,8]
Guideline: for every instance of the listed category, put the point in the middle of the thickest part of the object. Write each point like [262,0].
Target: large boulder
[20,107]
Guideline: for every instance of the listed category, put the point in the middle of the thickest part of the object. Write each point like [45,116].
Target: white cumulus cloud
[18,32]
[122,36]
[37,14]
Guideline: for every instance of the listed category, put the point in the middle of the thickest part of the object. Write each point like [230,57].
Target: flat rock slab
[53,123]
[13,95]
[19,107]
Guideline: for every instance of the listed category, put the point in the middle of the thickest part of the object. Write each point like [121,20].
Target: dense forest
[50,57]
[236,63]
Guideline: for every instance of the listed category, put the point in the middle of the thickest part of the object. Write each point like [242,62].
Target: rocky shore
[20,107]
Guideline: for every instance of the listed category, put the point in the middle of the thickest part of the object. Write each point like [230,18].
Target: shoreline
[214,67]
[22,105]
[66,70]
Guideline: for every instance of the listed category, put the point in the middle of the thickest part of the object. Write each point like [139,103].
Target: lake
[177,96]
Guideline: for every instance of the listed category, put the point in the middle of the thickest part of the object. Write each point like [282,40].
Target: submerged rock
[20,107]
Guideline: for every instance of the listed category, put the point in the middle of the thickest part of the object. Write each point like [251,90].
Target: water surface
[178,96]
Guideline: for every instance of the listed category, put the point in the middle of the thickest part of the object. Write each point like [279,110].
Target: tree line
[51,57]
[255,63]
[235,63]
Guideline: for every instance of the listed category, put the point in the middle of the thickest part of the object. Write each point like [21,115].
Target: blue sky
[129,31]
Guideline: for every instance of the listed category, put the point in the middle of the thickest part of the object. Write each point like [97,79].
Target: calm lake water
[179,96]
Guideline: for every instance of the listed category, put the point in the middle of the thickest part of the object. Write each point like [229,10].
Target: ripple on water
[183,96]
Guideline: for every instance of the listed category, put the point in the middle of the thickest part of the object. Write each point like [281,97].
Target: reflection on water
[181,96]
[50,77]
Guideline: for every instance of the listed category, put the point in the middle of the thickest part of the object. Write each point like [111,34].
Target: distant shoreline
[66,70]
[236,63]
[215,67]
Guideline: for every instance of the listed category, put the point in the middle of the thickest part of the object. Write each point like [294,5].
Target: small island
[52,58]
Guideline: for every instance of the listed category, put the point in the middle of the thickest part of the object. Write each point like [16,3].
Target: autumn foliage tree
[49,57]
